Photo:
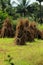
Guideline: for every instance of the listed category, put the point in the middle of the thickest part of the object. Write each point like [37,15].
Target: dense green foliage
[2,17]
[41,21]
[33,11]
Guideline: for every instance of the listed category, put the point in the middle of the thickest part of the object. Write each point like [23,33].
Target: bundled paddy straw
[40,34]
[26,31]
[29,33]
[7,29]
[20,36]
[23,32]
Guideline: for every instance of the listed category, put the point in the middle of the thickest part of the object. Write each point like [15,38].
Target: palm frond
[40,0]
[19,1]
[27,3]
[24,2]
[14,2]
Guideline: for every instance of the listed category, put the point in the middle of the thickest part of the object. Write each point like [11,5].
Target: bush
[2,17]
[14,23]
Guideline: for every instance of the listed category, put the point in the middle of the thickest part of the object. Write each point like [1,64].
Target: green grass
[40,26]
[30,54]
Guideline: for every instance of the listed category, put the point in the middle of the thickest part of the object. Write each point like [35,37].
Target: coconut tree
[21,6]
[40,9]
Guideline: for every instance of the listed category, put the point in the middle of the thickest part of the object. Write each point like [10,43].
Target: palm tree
[40,9]
[22,6]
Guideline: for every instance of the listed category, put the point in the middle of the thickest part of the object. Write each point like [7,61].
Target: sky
[30,2]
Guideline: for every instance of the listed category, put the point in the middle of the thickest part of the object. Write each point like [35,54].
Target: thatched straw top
[7,22]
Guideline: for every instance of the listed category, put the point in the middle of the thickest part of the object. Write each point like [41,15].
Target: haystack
[7,29]
[26,31]
[20,37]
[34,28]
[29,33]
[23,32]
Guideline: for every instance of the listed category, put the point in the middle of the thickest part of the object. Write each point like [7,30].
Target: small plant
[9,60]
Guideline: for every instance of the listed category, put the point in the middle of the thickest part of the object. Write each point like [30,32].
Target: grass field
[30,54]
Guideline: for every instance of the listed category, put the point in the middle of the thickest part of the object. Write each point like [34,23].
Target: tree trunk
[24,13]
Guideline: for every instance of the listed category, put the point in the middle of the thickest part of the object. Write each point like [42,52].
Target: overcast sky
[30,0]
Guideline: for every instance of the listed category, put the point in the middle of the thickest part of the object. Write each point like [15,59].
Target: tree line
[23,9]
